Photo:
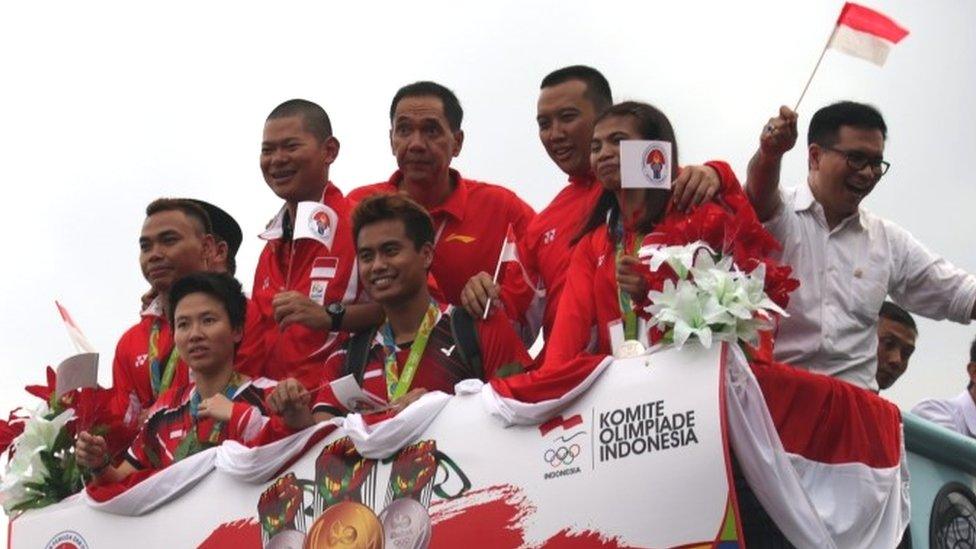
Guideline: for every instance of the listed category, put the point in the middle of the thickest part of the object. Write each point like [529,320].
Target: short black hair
[314,118]
[826,123]
[417,223]
[193,211]
[597,88]
[893,312]
[452,107]
[220,286]
[225,229]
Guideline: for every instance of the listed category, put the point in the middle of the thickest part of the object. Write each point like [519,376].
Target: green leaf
[34,503]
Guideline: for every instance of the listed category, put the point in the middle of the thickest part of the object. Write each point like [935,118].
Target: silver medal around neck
[406,524]
[630,349]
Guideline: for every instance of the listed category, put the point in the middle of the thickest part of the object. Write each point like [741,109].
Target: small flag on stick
[509,252]
[861,32]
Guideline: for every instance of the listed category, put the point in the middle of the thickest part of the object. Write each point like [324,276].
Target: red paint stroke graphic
[495,516]
[239,534]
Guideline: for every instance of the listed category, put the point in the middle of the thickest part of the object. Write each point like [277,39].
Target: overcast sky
[105,107]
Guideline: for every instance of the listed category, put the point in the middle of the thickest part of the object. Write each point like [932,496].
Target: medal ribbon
[398,385]
[236,380]
[626,305]
[159,377]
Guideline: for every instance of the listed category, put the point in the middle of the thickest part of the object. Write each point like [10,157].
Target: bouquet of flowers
[41,469]
[711,278]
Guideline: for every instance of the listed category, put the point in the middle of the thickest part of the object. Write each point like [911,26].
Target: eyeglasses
[857,161]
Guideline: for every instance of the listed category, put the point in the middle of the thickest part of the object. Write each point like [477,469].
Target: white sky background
[105,107]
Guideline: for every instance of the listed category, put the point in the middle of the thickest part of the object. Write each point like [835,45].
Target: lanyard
[626,305]
[236,380]
[398,385]
[160,377]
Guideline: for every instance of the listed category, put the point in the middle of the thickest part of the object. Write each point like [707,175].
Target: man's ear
[220,253]
[458,142]
[814,152]
[427,252]
[392,148]
[971,368]
[238,334]
[209,248]
[331,149]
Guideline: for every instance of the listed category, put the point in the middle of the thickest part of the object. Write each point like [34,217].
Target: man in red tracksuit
[471,218]
[302,286]
[175,241]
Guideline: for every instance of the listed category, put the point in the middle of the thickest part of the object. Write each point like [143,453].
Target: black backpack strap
[357,354]
[466,337]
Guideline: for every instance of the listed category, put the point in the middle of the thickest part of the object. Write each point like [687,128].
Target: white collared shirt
[957,414]
[844,275]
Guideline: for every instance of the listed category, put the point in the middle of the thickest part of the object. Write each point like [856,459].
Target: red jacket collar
[456,202]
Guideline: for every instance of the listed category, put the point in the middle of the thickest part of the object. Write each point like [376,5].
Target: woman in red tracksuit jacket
[597,307]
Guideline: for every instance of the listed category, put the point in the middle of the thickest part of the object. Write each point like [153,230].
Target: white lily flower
[26,466]
[711,300]
[680,258]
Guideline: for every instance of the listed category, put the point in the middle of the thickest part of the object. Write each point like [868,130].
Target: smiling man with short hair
[303,288]
[424,345]
[846,258]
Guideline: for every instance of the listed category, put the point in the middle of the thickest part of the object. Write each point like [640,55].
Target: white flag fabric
[645,164]
[316,221]
[76,372]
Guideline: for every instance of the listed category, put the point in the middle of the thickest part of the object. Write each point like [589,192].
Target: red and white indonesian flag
[865,33]
[81,343]
[316,221]
[509,254]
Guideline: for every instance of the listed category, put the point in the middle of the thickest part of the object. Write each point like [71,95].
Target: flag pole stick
[494,280]
[291,259]
[815,67]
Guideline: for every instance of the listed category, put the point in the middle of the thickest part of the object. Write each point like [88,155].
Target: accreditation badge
[316,291]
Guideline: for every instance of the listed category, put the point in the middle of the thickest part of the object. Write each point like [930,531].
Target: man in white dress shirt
[846,258]
[959,413]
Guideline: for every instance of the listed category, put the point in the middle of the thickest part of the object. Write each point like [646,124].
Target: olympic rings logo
[562,455]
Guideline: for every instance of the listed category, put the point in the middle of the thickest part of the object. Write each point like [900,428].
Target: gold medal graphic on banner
[346,525]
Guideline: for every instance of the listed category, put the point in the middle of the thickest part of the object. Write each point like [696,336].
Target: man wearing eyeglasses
[846,258]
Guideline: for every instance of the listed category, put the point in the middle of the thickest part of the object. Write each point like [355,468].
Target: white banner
[638,460]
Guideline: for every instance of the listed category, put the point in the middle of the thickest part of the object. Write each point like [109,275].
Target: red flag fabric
[867,20]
